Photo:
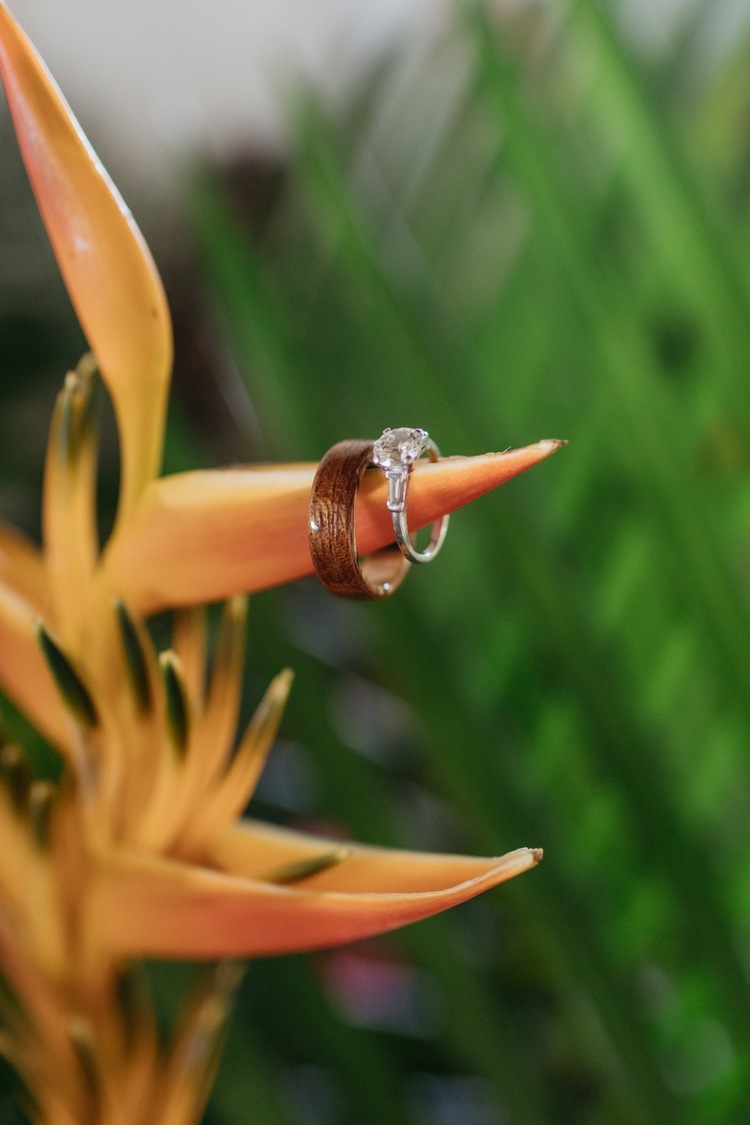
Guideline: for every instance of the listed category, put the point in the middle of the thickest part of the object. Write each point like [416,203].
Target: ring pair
[333,545]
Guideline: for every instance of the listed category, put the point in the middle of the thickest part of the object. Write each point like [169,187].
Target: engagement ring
[395,452]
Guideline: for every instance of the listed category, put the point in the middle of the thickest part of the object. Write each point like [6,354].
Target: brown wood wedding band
[333,546]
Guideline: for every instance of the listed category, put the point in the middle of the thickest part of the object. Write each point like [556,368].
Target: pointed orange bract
[203,536]
[24,674]
[107,268]
[157,907]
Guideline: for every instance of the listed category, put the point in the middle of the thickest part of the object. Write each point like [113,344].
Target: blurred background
[502,222]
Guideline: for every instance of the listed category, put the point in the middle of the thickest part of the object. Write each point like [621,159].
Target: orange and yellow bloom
[140,850]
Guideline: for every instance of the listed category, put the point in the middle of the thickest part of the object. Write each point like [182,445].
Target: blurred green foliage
[533,231]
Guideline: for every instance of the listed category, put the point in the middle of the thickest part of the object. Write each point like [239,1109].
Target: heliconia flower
[142,849]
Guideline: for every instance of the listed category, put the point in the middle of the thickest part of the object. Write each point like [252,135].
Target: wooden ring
[333,546]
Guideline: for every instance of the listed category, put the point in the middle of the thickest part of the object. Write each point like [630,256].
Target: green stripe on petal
[136,664]
[72,688]
[306,868]
[178,711]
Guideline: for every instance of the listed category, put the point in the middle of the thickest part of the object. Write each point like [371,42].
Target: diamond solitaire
[399,448]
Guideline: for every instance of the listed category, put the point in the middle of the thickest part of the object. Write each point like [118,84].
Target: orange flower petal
[69,504]
[203,536]
[22,568]
[145,906]
[24,675]
[224,800]
[252,849]
[106,266]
